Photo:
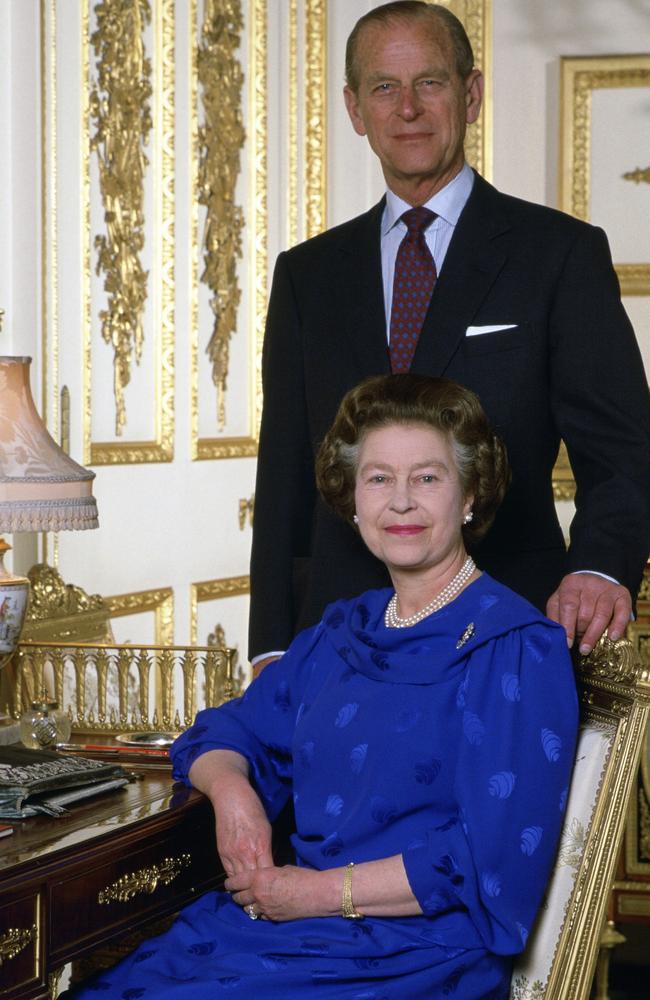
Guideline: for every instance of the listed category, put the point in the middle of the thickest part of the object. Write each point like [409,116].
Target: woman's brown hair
[439,403]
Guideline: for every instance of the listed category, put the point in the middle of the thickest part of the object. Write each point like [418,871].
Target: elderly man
[517,301]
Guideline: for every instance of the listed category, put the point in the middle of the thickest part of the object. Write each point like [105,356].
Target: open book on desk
[43,782]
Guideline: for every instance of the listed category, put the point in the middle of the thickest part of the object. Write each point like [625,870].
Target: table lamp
[41,489]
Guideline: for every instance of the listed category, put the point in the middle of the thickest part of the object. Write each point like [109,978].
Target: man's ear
[473,96]
[352,104]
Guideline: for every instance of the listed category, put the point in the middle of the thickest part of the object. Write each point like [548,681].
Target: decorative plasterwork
[221,138]
[256,217]
[120,111]
[159,231]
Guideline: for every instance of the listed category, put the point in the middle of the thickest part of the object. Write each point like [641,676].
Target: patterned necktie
[415,276]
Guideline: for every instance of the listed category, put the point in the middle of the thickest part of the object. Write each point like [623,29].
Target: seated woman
[426,737]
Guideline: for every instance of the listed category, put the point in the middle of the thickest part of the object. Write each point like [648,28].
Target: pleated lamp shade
[41,488]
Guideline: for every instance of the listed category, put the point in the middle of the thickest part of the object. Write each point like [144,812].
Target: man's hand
[259,666]
[586,605]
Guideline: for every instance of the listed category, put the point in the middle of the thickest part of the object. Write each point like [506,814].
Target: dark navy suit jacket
[569,368]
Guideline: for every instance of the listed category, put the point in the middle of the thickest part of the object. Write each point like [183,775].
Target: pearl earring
[469,517]
[355,519]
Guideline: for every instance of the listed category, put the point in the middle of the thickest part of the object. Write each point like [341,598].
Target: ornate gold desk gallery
[111,866]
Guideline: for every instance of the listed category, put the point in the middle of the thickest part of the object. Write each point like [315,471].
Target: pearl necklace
[392,619]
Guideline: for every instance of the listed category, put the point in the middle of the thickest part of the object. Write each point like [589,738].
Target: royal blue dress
[450,743]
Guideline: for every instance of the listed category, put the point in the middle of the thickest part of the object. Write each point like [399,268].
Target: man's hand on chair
[259,665]
[586,605]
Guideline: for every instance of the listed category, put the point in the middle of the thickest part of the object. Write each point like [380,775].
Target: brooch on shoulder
[467,635]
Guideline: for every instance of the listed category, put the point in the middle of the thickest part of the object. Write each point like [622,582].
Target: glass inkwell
[44,724]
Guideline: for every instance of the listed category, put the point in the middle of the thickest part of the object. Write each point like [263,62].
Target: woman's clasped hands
[243,835]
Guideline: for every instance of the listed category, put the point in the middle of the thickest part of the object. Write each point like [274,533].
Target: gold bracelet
[347,906]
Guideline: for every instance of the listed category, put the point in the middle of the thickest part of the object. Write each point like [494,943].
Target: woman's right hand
[243,831]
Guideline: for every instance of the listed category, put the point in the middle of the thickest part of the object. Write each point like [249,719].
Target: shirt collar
[447,203]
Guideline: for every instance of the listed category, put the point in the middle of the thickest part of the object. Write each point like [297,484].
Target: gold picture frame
[581,78]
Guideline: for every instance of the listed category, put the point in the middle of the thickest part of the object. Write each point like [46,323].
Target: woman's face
[409,499]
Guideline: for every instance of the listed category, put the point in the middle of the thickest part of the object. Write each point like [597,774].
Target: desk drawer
[20,943]
[130,883]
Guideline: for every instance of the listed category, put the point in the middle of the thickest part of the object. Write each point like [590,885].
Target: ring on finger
[252,912]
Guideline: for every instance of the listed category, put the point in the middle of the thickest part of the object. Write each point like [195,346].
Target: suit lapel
[471,266]
[360,292]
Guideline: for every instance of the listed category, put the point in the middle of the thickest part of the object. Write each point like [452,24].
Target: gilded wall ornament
[51,597]
[638,175]
[221,138]
[121,113]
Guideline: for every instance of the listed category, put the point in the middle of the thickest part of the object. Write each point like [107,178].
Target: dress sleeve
[259,725]
[518,720]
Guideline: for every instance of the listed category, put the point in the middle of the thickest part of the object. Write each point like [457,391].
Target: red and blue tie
[415,277]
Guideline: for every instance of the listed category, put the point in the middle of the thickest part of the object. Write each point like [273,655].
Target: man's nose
[409,105]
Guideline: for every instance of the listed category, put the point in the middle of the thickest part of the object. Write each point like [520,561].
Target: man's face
[413,105]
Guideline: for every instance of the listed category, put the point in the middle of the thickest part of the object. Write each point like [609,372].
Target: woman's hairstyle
[446,406]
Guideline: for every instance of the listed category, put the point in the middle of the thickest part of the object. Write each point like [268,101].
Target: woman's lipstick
[405,529]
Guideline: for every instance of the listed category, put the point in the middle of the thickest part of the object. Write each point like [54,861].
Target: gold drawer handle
[146,880]
[13,942]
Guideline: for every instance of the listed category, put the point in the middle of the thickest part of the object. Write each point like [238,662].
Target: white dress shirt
[447,205]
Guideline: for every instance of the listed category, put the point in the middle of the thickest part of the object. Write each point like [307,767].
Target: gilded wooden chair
[561,955]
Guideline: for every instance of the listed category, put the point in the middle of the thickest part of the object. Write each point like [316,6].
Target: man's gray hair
[410,11]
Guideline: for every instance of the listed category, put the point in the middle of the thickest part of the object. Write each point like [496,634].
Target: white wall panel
[175,523]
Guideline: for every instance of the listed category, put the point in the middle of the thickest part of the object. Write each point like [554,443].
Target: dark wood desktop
[110,866]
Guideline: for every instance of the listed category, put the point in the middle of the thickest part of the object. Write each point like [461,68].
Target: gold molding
[159,601]
[161,448]
[476,15]
[292,152]
[580,77]
[120,134]
[221,140]
[244,446]
[315,117]
[214,590]
[259,222]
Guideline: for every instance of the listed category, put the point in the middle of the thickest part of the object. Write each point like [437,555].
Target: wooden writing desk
[111,865]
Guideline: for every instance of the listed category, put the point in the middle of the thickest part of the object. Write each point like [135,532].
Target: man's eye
[383,88]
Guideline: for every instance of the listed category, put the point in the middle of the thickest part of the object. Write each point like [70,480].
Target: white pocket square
[476,331]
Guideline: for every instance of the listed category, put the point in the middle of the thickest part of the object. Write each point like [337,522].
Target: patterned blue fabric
[450,742]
